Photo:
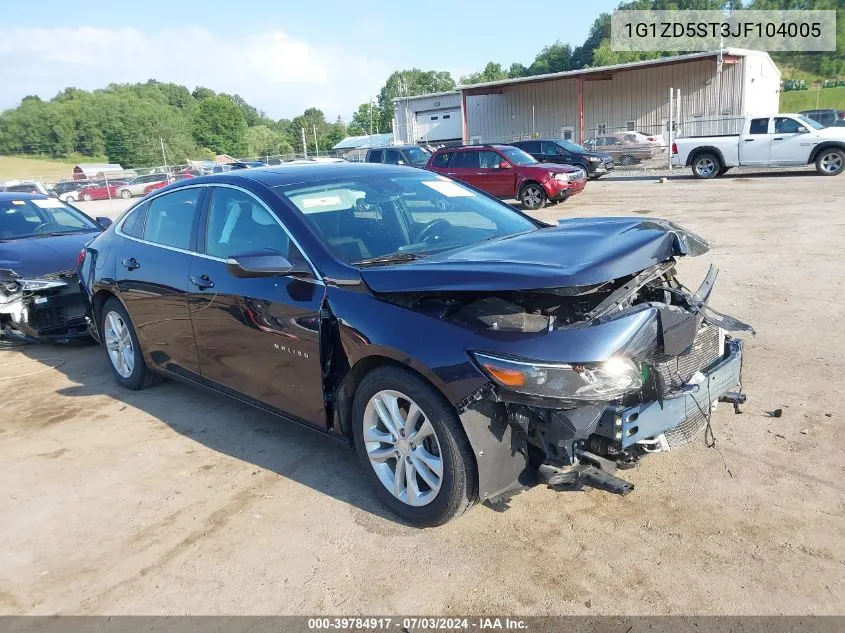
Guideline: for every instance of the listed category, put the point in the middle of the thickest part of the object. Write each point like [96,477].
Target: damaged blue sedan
[464,349]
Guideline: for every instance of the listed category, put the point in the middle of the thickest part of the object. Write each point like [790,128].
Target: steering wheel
[431,229]
[42,227]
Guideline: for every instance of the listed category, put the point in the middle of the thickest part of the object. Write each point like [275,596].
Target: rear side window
[133,225]
[442,160]
[759,126]
[532,147]
[465,160]
[375,156]
[170,218]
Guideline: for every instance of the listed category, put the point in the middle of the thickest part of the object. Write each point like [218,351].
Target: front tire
[87,197]
[122,348]
[706,165]
[125,194]
[830,162]
[532,196]
[412,447]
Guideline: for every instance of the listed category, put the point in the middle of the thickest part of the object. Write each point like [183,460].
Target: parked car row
[506,171]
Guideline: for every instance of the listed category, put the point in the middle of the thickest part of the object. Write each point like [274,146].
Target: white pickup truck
[769,141]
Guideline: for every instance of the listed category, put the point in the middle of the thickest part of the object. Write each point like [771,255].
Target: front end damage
[47,309]
[588,379]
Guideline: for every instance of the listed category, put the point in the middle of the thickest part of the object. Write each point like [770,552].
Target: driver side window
[785,125]
[238,223]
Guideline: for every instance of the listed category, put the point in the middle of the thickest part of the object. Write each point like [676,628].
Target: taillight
[80,258]
[674,148]
[651,139]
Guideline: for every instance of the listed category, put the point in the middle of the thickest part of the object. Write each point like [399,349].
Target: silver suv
[136,186]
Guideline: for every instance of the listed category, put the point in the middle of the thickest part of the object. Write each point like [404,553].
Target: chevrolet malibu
[463,348]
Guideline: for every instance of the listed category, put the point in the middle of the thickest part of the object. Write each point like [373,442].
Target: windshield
[517,156]
[418,155]
[34,218]
[809,122]
[400,217]
[572,147]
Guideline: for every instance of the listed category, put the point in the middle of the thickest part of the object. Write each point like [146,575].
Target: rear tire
[125,194]
[440,442]
[532,196]
[706,165]
[628,160]
[122,348]
[87,197]
[830,162]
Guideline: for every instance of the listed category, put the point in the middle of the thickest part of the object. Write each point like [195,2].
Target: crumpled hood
[38,256]
[578,252]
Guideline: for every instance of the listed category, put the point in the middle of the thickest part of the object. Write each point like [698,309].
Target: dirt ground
[172,501]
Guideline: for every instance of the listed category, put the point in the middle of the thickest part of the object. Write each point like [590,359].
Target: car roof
[13,195]
[395,147]
[288,174]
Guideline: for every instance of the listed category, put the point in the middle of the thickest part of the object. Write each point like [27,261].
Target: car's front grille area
[676,371]
[707,348]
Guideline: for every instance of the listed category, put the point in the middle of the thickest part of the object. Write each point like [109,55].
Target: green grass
[47,169]
[798,100]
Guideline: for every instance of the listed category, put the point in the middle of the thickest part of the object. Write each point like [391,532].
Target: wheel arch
[706,149]
[818,149]
[344,392]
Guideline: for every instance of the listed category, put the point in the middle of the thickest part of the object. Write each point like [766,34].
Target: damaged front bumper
[43,310]
[658,426]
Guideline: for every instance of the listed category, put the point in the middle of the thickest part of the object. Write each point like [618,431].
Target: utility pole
[164,157]
[316,145]
[304,146]
[371,117]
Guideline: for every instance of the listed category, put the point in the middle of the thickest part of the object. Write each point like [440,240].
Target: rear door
[789,146]
[754,147]
[465,167]
[492,178]
[256,337]
[152,272]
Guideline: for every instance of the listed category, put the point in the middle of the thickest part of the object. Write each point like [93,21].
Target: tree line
[147,123]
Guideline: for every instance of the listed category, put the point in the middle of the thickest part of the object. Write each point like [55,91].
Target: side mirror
[400,162]
[802,130]
[103,221]
[264,264]
[505,165]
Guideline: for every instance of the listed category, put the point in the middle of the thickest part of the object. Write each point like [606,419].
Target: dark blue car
[40,242]
[465,348]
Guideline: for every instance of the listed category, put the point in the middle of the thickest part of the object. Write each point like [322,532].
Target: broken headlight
[607,380]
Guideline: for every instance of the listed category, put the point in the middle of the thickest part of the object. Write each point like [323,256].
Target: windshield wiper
[390,258]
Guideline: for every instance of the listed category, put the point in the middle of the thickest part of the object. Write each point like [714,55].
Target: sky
[283,56]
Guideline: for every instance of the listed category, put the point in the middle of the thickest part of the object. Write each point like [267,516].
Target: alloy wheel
[532,197]
[403,448]
[831,163]
[119,344]
[705,166]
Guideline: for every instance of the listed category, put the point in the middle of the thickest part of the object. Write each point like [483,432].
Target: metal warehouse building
[717,89]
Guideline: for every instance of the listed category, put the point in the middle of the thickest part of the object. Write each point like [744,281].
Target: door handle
[450,173]
[749,140]
[778,138]
[130,264]
[202,282]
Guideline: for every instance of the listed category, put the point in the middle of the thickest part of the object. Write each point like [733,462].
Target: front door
[257,337]
[152,277]
[789,146]
[492,177]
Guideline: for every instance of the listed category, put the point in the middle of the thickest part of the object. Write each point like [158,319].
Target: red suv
[508,172]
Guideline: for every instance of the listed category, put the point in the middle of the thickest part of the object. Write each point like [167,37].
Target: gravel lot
[173,501]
